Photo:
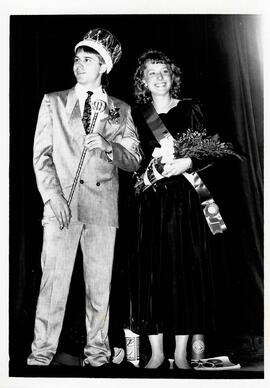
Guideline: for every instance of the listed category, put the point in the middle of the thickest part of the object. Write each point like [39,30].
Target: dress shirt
[81,93]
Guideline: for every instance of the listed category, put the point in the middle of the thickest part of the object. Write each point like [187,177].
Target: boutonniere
[114,115]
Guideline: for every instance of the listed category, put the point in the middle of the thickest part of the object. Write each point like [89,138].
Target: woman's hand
[95,140]
[176,167]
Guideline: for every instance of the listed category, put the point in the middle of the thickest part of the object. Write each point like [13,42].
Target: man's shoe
[107,365]
[119,355]
[65,359]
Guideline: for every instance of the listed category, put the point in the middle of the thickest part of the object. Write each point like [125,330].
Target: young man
[91,218]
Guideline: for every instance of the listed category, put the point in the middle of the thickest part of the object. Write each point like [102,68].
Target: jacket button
[82,181]
[98,183]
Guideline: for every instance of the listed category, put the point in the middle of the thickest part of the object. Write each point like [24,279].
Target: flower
[114,115]
[198,145]
[193,144]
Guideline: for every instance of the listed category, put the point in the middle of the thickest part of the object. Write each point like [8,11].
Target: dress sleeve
[197,116]
[198,123]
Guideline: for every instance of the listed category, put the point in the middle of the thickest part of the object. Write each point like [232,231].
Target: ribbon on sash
[209,207]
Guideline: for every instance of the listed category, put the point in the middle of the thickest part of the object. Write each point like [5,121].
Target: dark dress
[170,280]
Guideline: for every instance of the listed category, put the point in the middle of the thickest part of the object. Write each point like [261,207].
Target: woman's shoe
[164,365]
[175,367]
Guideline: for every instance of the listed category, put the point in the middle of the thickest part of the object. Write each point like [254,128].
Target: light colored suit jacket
[58,146]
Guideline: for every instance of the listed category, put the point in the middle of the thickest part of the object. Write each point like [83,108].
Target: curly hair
[141,92]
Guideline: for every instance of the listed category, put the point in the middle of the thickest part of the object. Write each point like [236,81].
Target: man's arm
[125,153]
[46,176]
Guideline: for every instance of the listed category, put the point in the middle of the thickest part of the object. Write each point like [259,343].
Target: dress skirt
[169,261]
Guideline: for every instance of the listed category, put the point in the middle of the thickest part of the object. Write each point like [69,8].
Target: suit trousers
[57,261]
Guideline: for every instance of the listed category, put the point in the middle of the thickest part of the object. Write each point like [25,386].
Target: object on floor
[215,363]
[197,347]
[132,347]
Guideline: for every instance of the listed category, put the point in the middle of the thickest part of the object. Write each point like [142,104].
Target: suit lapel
[74,114]
[104,125]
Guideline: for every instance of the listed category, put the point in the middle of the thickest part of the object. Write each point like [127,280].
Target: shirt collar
[98,93]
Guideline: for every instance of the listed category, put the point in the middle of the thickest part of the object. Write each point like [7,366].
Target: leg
[180,354]
[58,256]
[157,357]
[98,249]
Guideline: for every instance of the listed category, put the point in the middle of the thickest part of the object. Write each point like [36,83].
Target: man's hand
[95,140]
[176,167]
[61,210]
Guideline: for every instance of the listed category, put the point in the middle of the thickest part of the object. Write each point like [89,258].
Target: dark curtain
[239,104]
[221,60]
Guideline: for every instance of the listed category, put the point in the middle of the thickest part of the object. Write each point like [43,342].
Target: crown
[105,44]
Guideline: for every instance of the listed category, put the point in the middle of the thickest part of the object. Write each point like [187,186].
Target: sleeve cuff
[109,156]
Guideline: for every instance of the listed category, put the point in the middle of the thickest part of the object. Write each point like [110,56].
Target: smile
[160,85]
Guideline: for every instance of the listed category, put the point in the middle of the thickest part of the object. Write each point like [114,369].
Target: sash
[209,207]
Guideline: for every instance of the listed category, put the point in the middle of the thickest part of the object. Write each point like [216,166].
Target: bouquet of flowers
[193,144]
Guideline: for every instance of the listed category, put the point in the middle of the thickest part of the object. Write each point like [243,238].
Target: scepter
[97,107]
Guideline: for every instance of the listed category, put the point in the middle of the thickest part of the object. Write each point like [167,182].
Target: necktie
[86,119]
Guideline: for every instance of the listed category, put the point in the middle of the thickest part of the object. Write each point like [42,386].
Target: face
[157,77]
[88,69]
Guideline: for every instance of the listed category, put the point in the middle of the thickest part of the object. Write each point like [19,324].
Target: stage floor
[250,369]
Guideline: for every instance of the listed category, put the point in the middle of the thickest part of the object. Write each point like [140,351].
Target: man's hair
[141,92]
[90,50]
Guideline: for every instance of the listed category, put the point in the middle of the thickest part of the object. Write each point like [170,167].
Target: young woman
[169,262]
